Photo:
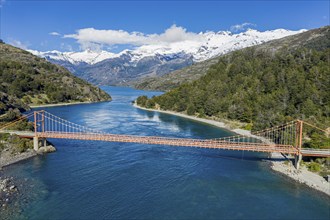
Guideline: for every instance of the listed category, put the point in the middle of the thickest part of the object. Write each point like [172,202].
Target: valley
[165,110]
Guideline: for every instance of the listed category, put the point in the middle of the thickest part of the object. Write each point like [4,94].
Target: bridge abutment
[36,143]
[44,142]
[297,160]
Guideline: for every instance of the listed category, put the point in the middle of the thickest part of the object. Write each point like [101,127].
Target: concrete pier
[44,142]
[35,143]
[297,160]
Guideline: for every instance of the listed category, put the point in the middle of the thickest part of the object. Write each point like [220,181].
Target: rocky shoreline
[7,158]
[8,190]
[302,175]
[15,193]
[9,186]
[277,164]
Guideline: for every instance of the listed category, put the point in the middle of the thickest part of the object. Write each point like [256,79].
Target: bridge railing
[287,136]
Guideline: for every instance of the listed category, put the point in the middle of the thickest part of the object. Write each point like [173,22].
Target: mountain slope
[263,85]
[308,39]
[175,78]
[27,79]
[128,66]
[121,71]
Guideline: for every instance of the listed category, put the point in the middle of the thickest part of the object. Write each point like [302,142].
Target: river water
[103,180]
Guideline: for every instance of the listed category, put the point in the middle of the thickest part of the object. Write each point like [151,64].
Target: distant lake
[104,180]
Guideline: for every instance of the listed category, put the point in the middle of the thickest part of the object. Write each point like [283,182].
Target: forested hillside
[262,86]
[27,79]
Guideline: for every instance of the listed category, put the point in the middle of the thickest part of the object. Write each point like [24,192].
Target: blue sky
[28,24]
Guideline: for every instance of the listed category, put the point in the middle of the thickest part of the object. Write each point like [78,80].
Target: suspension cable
[16,120]
[328,132]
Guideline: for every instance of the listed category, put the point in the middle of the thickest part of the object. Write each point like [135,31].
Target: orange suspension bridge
[285,139]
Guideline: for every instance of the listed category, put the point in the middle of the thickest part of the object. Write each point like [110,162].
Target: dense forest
[26,79]
[260,86]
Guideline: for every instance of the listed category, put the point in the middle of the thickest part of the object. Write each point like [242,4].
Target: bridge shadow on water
[241,155]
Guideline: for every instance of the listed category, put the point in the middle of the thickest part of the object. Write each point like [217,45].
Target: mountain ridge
[199,52]
[130,65]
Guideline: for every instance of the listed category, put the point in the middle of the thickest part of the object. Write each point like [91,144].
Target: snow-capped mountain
[103,67]
[87,56]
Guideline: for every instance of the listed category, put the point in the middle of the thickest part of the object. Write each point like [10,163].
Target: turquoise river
[103,180]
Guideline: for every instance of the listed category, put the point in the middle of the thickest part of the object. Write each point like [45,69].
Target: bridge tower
[39,116]
[299,133]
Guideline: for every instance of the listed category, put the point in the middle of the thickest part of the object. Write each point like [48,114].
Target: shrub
[314,167]
[23,144]
[191,109]
[150,103]
[4,136]
[19,144]
[248,127]
[2,146]
[141,100]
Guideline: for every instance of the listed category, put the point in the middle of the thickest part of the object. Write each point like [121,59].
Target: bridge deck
[207,143]
[201,143]
[315,152]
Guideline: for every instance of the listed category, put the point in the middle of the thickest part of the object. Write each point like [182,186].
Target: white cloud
[177,34]
[241,27]
[19,44]
[54,33]
[88,37]
[91,45]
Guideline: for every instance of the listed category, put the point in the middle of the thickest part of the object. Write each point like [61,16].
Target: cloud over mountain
[174,34]
[241,27]
[174,39]
[152,55]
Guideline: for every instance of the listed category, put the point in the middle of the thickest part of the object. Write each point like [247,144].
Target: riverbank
[7,157]
[302,175]
[59,104]
[278,163]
